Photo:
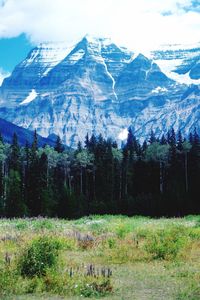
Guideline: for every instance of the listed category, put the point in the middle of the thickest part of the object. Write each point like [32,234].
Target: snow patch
[48,56]
[32,95]
[176,47]
[111,77]
[3,75]
[98,39]
[168,67]
[159,89]
[123,134]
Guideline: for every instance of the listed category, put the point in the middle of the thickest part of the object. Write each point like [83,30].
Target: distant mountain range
[100,87]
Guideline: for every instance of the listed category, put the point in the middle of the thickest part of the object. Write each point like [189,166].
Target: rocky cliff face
[27,75]
[99,87]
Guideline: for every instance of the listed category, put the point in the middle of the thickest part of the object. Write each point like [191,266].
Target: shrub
[42,224]
[122,230]
[122,251]
[95,288]
[166,243]
[34,285]
[111,243]
[10,282]
[78,284]
[37,257]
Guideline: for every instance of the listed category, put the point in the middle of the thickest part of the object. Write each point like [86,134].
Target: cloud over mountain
[142,24]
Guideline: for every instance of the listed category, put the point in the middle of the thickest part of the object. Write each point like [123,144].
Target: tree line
[159,177]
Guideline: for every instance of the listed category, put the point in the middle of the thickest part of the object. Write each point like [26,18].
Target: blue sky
[138,24]
[13,50]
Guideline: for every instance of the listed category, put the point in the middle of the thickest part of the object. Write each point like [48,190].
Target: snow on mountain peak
[47,55]
[175,47]
[97,39]
[98,87]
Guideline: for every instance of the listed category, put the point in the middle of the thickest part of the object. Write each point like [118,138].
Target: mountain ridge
[101,88]
[7,130]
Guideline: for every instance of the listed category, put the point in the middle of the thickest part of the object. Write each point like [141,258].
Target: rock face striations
[101,88]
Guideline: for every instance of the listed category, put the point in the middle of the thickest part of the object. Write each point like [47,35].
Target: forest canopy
[159,177]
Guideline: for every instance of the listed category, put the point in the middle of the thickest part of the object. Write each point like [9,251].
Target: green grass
[149,258]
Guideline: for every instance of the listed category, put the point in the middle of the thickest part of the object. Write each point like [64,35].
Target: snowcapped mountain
[182,63]
[99,87]
[29,72]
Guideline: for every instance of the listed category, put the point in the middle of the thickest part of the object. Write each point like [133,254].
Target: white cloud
[3,75]
[135,23]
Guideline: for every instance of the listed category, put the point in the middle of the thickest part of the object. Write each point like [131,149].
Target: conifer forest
[159,177]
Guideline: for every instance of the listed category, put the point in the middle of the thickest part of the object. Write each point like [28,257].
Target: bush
[37,257]
[166,243]
[11,283]
[95,288]
[122,230]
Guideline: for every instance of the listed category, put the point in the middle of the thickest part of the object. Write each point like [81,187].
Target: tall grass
[53,256]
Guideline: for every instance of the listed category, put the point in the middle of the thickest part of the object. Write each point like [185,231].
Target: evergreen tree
[172,143]
[163,140]
[3,168]
[14,159]
[59,146]
[152,138]
[1,138]
[34,146]
[194,171]
[180,141]
[33,190]
[159,153]
[47,204]
[159,178]
[87,141]
[15,206]
[186,147]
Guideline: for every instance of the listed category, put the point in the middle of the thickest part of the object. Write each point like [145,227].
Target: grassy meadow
[113,257]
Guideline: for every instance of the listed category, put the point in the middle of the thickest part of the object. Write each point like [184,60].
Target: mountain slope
[99,87]
[7,129]
[182,63]
[27,75]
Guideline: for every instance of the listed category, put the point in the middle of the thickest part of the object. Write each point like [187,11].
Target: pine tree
[131,145]
[173,149]
[15,206]
[163,140]
[92,144]
[47,204]
[34,147]
[194,171]
[33,192]
[180,141]
[1,138]
[3,168]
[14,159]
[152,138]
[158,153]
[59,146]
[87,141]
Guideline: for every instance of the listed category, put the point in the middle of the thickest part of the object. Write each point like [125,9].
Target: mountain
[100,87]
[7,130]
[28,73]
[182,63]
